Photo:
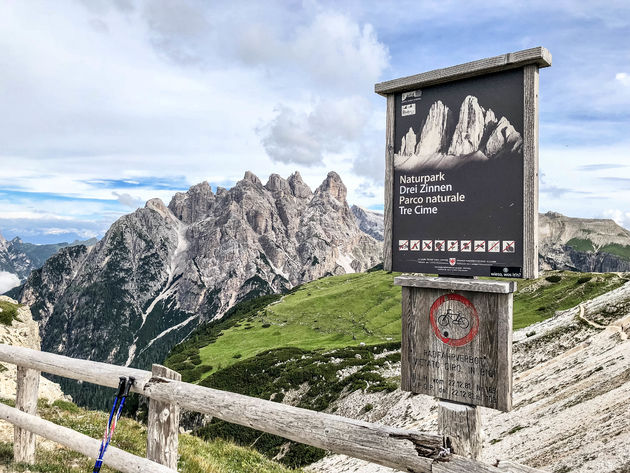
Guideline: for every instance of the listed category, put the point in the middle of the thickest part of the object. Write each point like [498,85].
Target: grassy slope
[537,300]
[622,251]
[196,455]
[347,310]
[328,313]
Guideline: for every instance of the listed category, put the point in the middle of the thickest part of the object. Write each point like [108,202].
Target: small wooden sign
[457,339]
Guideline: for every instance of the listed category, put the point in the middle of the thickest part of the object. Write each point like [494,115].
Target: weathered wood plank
[405,450]
[389,185]
[530,175]
[26,401]
[455,284]
[539,57]
[115,458]
[461,425]
[163,425]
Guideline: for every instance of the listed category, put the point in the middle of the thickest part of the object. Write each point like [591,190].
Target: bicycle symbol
[449,317]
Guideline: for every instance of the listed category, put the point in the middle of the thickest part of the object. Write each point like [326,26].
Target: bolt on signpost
[461,201]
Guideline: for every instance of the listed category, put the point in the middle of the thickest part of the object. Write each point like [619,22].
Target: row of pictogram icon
[476,246]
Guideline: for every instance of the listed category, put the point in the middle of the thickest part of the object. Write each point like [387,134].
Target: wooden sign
[461,184]
[457,339]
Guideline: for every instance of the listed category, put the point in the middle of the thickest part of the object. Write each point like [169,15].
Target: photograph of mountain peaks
[446,131]
[314,236]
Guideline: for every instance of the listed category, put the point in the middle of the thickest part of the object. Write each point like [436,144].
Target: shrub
[584,279]
[553,278]
[9,312]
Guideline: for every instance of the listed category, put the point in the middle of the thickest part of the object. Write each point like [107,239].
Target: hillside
[330,341]
[196,455]
[571,391]
[582,244]
[571,370]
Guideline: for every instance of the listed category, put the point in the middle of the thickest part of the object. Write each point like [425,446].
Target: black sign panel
[458,177]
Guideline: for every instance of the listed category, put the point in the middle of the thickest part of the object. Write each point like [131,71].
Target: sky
[108,103]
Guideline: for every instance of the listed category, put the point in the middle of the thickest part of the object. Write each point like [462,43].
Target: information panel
[458,184]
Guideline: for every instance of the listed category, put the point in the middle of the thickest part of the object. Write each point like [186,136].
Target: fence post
[461,425]
[163,425]
[26,401]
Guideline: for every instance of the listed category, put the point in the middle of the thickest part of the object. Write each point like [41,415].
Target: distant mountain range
[582,244]
[478,135]
[369,221]
[161,271]
[20,258]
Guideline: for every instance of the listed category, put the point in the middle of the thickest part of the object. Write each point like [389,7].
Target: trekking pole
[121,389]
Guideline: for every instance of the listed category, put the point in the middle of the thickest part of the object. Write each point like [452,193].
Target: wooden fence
[406,450]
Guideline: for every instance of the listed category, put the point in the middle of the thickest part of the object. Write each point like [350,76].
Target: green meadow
[351,310]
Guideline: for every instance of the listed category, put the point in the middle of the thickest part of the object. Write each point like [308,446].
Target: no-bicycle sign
[457,344]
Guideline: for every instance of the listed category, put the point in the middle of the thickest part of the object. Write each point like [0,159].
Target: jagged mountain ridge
[369,221]
[477,136]
[160,271]
[20,258]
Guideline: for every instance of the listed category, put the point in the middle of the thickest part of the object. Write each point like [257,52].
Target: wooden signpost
[461,201]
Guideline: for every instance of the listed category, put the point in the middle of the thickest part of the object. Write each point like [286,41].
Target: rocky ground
[571,397]
[22,332]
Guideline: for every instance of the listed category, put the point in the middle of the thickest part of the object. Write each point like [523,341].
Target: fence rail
[406,450]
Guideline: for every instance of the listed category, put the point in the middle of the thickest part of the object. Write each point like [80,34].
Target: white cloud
[301,137]
[128,200]
[620,217]
[8,281]
[623,77]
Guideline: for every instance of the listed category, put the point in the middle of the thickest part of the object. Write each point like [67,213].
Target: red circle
[454,342]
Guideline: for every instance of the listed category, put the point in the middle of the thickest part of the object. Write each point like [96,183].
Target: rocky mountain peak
[469,129]
[193,205]
[298,187]
[433,138]
[275,183]
[221,191]
[334,186]
[503,137]
[408,145]
[157,205]
[251,177]
[3,241]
